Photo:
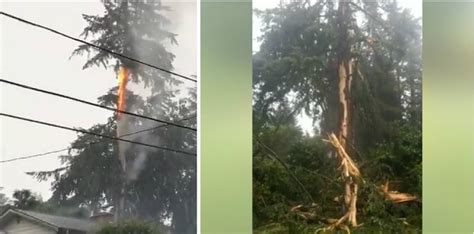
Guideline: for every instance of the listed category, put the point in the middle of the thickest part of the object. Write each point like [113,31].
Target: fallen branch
[306,212]
[396,196]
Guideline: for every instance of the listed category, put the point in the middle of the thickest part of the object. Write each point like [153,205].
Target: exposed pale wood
[396,196]
[306,212]
[348,165]
[350,172]
[345,70]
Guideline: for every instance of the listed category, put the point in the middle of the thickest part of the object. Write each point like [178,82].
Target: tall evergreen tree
[355,68]
[161,185]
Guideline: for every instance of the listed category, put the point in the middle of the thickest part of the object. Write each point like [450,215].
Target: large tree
[160,185]
[355,68]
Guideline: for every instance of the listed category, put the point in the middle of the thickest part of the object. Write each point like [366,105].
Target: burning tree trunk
[122,123]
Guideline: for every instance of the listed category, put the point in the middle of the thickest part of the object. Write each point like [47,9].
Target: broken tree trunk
[350,173]
[341,142]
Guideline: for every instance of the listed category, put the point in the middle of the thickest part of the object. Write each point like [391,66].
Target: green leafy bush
[129,227]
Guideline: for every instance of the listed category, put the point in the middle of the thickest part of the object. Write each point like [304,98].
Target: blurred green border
[226,117]
[448,117]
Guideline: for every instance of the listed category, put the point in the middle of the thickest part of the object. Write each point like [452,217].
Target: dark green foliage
[135,29]
[129,227]
[294,72]
[399,159]
[25,199]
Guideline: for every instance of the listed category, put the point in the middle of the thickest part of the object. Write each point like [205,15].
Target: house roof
[53,221]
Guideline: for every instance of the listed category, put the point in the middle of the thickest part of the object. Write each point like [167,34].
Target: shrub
[129,227]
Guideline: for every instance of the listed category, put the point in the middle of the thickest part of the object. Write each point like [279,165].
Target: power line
[95,46]
[93,104]
[88,144]
[156,127]
[33,155]
[95,134]
[92,143]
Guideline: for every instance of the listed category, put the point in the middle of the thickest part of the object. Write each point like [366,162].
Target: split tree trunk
[345,80]
[345,71]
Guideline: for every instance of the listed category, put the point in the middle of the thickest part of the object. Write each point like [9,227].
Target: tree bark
[345,71]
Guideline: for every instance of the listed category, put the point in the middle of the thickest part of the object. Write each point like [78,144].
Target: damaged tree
[351,174]
[162,186]
[351,67]
[345,75]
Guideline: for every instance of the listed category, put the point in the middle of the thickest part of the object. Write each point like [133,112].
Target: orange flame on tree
[122,79]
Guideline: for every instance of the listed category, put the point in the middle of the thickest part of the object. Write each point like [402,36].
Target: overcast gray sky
[38,58]
[305,121]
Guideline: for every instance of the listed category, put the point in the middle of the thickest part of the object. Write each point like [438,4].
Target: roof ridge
[53,215]
[58,221]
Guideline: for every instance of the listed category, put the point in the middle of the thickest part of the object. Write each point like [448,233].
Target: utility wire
[33,155]
[92,143]
[88,144]
[93,104]
[95,134]
[95,46]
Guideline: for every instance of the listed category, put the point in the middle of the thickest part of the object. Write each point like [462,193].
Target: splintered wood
[306,212]
[348,166]
[396,196]
[350,172]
